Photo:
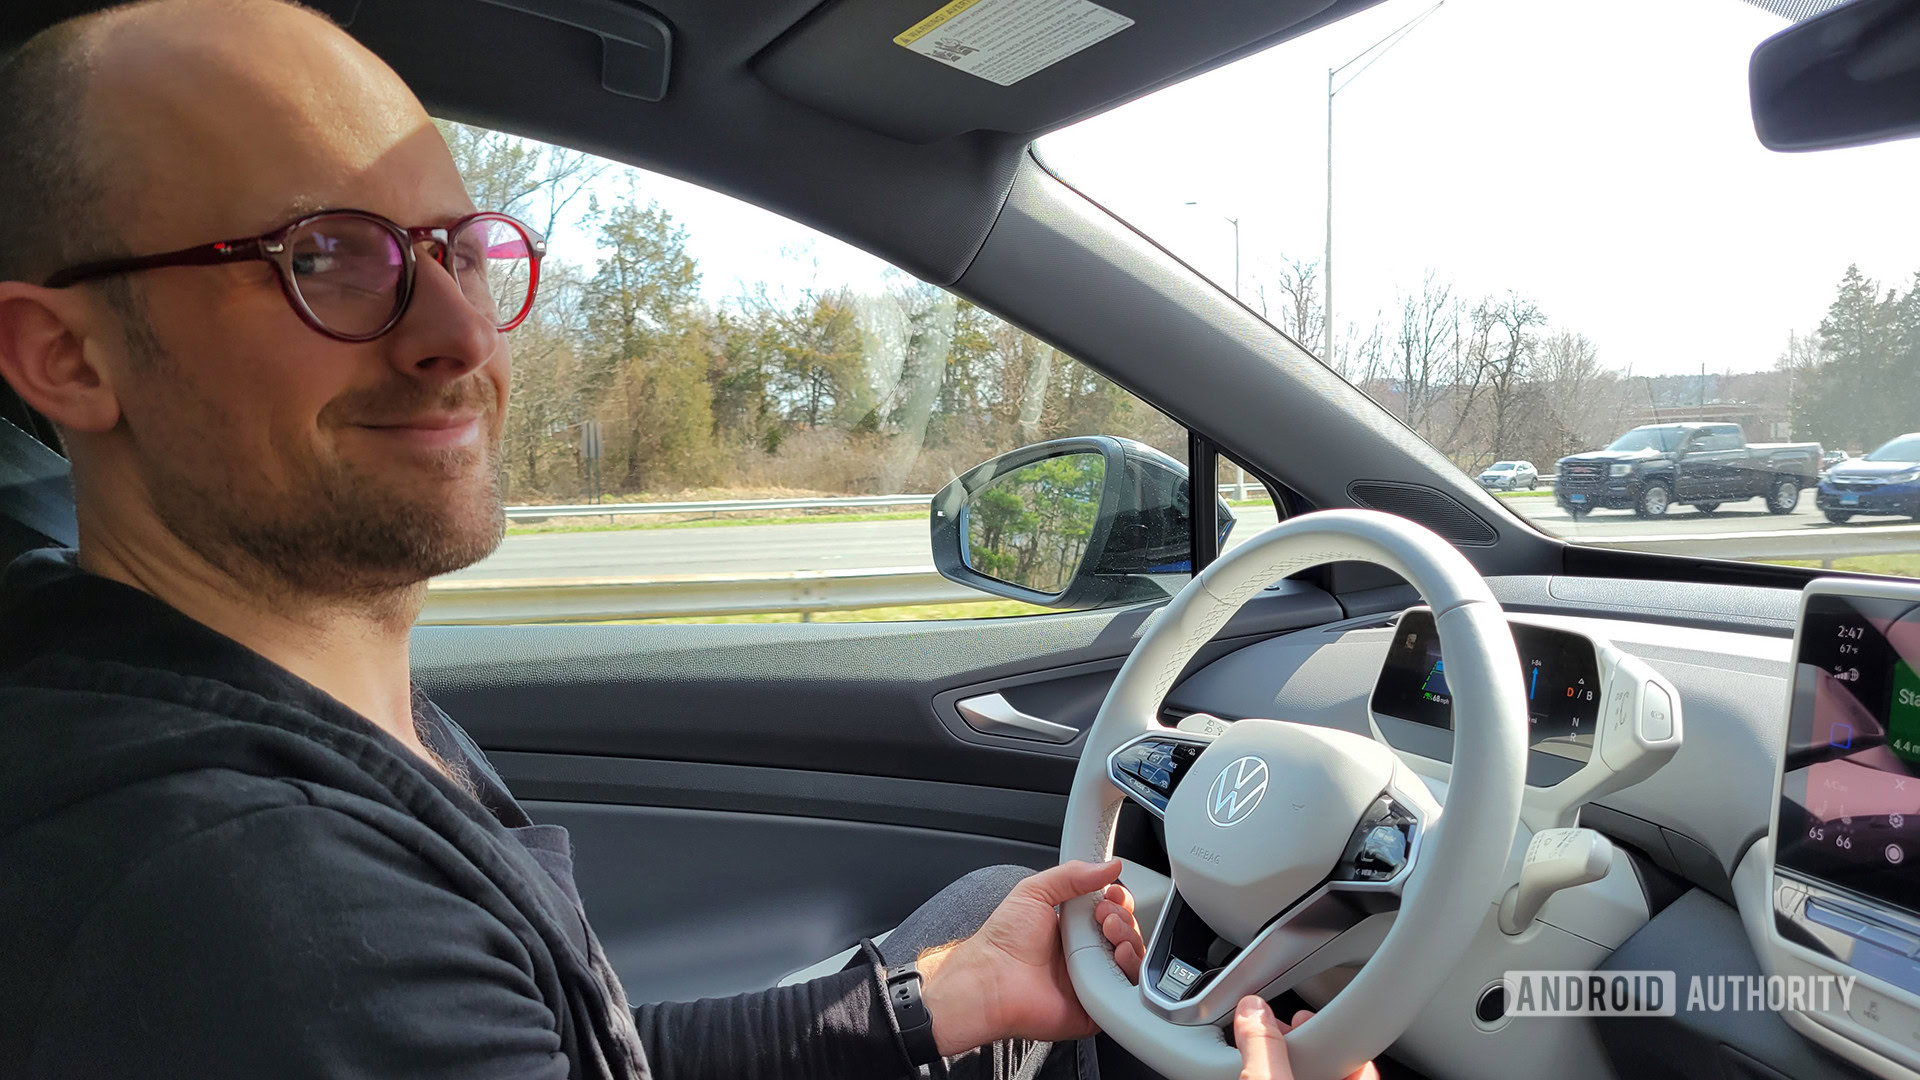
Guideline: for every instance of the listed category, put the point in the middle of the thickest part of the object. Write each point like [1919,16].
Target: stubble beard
[337,532]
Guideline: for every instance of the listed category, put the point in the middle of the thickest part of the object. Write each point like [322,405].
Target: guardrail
[518,600]
[1820,545]
[729,506]
[718,506]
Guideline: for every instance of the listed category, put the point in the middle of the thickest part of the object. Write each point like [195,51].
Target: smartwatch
[916,1023]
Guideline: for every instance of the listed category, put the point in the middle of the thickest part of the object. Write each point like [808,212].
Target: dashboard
[1681,828]
[1773,830]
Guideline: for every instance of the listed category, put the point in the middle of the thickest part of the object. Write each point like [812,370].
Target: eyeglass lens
[348,269]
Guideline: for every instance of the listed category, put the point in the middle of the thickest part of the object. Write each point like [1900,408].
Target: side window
[717,414]
[1250,504]
[1723,438]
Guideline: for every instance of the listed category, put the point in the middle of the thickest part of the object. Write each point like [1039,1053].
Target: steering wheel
[1301,847]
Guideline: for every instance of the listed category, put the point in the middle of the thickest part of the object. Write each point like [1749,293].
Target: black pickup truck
[1703,465]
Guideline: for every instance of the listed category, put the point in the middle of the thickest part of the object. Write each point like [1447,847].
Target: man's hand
[1261,1038]
[1009,980]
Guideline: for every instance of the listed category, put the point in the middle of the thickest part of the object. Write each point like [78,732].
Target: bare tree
[1429,328]
[1289,297]
[1570,376]
[929,313]
[532,180]
[1466,373]
[1361,356]
[1033,395]
[1509,361]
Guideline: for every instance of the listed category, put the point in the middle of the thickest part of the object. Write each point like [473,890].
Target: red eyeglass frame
[272,247]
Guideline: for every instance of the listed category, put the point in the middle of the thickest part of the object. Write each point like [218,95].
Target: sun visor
[924,70]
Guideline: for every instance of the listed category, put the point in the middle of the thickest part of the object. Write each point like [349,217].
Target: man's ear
[50,344]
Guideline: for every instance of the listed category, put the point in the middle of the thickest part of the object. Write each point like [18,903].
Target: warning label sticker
[1004,41]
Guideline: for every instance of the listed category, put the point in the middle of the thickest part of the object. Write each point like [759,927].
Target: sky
[1598,158]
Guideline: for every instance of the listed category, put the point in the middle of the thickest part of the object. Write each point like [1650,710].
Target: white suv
[1510,476]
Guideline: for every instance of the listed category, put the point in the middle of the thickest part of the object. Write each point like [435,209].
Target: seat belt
[36,495]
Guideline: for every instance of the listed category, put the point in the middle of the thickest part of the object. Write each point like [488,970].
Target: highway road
[829,545]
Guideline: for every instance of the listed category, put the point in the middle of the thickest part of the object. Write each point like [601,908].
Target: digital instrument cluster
[1560,670]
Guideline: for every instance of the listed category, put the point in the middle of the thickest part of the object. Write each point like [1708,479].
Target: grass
[988,609]
[1901,565]
[576,525]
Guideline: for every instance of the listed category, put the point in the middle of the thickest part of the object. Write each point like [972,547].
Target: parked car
[1886,481]
[1703,465]
[1831,458]
[1510,476]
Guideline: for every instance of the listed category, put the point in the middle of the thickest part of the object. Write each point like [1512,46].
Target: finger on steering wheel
[1122,932]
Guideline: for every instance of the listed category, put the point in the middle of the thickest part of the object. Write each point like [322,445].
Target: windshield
[1906,448]
[1664,440]
[1501,466]
[1527,229]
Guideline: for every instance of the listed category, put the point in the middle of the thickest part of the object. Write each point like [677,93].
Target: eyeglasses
[349,274]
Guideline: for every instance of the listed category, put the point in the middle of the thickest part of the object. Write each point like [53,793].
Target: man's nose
[443,335]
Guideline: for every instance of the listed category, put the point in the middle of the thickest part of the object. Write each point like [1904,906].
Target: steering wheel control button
[1616,736]
[1381,855]
[1380,845]
[1180,978]
[1151,767]
[1656,714]
[1202,724]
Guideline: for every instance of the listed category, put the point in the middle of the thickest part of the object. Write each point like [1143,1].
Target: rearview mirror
[1847,77]
[1072,523]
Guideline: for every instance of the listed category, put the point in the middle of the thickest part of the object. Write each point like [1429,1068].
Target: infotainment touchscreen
[1559,669]
[1850,789]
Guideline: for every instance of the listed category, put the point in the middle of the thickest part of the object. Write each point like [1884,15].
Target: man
[241,275]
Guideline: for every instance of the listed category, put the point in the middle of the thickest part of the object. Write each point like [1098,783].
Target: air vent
[1427,506]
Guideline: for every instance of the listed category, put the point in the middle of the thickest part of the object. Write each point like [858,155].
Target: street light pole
[1326,260]
[1375,51]
[1235,222]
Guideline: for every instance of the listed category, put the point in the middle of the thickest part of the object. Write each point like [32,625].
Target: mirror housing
[1847,77]
[1142,529]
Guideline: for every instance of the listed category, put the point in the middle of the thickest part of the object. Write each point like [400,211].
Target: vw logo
[1236,791]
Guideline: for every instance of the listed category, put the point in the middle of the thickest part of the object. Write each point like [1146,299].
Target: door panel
[701,903]
[837,698]
[748,799]
[983,809]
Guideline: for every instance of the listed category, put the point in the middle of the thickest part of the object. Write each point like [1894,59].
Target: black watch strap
[916,1023]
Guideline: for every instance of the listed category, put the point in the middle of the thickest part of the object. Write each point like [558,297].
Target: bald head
[183,116]
[208,418]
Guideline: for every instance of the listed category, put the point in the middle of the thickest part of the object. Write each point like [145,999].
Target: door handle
[993,714]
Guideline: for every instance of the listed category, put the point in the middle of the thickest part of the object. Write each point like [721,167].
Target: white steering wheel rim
[1452,883]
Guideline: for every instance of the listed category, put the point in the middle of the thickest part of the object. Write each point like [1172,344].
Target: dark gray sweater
[209,868]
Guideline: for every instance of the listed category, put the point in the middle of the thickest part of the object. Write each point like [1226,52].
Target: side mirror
[1846,77]
[1072,523]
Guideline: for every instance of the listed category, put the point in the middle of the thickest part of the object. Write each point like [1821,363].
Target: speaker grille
[1423,505]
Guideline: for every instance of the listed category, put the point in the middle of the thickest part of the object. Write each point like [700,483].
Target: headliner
[808,109]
